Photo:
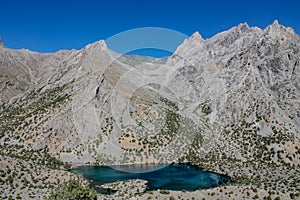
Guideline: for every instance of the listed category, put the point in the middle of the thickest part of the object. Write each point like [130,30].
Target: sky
[51,25]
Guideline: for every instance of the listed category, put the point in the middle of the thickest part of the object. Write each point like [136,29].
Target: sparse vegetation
[72,190]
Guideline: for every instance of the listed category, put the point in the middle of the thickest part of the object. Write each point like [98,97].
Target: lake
[164,177]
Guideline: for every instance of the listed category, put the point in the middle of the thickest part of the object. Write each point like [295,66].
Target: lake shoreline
[174,176]
[74,166]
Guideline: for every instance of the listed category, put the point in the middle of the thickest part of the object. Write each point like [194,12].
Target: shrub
[73,190]
[164,192]
[67,166]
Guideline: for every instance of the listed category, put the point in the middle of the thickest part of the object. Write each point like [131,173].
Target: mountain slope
[229,104]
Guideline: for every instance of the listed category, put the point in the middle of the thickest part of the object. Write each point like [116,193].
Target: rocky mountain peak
[243,27]
[275,23]
[194,42]
[197,37]
[98,44]
[276,29]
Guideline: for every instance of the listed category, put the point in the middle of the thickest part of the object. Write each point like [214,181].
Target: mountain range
[230,104]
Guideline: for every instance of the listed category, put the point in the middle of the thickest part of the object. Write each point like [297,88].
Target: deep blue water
[170,177]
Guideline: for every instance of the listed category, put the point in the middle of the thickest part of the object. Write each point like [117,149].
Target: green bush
[206,109]
[164,192]
[67,166]
[72,190]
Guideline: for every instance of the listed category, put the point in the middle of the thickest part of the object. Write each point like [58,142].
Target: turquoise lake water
[169,177]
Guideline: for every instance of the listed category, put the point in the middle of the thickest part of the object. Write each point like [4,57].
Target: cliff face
[229,103]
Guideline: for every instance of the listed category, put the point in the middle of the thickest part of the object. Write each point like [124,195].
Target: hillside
[230,104]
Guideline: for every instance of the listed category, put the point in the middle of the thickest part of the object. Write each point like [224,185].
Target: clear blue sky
[50,25]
